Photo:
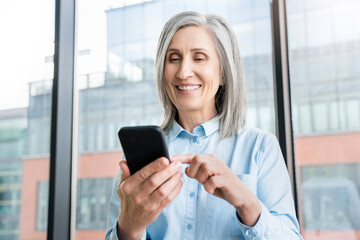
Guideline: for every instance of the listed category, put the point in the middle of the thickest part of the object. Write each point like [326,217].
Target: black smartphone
[142,145]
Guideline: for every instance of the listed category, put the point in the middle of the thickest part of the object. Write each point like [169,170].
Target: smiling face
[192,72]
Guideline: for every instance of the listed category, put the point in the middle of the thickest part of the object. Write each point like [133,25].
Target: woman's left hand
[218,179]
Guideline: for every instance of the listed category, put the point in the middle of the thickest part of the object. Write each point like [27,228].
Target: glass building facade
[324,59]
[13,127]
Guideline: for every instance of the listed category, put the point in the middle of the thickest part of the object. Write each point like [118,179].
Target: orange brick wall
[327,149]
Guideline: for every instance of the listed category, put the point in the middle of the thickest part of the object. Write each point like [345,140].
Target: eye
[199,57]
[174,58]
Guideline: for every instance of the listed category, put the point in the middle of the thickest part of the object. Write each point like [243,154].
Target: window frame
[61,138]
[283,117]
[60,220]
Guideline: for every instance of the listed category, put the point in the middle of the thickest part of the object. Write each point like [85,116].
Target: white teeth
[188,88]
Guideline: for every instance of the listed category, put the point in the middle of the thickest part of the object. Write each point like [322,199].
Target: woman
[224,181]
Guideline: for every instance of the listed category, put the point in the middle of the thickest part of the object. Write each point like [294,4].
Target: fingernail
[162,163]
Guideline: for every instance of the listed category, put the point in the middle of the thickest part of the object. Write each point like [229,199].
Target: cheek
[169,71]
[167,79]
[215,81]
[213,86]
[213,72]
[169,90]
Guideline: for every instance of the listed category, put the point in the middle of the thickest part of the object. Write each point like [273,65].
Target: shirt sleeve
[277,219]
[114,210]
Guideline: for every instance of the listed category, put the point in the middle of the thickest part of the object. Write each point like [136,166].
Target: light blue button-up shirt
[255,157]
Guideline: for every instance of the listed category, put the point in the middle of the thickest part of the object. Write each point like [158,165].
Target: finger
[159,178]
[195,164]
[204,173]
[171,196]
[143,174]
[213,183]
[166,188]
[183,158]
[125,172]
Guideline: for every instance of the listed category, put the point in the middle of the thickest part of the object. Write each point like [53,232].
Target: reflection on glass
[324,48]
[92,200]
[120,43]
[26,76]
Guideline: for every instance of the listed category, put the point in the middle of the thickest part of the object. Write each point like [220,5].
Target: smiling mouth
[188,88]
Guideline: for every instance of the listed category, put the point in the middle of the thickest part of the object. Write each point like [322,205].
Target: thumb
[125,172]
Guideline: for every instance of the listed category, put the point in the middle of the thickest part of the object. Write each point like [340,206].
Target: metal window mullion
[282,88]
[61,123]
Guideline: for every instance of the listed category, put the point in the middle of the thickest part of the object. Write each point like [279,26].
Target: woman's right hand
[145,194]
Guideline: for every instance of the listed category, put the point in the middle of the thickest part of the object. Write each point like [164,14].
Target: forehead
[193,37]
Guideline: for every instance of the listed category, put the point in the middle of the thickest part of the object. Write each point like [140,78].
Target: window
[42,205]
[122,40]
[25,105]
[116,44]
[324,45]
[330,197]
[93,196]
[10,196]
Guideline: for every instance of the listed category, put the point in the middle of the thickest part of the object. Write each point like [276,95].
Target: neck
[189,120]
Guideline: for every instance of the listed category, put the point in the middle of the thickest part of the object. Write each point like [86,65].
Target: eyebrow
[192,50]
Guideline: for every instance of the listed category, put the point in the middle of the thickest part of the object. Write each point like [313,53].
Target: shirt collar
[209,128]
[175,130]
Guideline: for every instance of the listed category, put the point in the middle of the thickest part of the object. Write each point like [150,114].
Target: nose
[185,69]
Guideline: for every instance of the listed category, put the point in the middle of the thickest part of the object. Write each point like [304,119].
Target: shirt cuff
[258,229]
[115,237]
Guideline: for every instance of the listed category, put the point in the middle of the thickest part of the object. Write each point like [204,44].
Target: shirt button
[189,226]
[192,194]
[250,233]
[195,140]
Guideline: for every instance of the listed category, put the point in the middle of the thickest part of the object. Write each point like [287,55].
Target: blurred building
[13,127]
[325,107]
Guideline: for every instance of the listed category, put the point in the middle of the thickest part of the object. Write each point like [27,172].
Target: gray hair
[230,100]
